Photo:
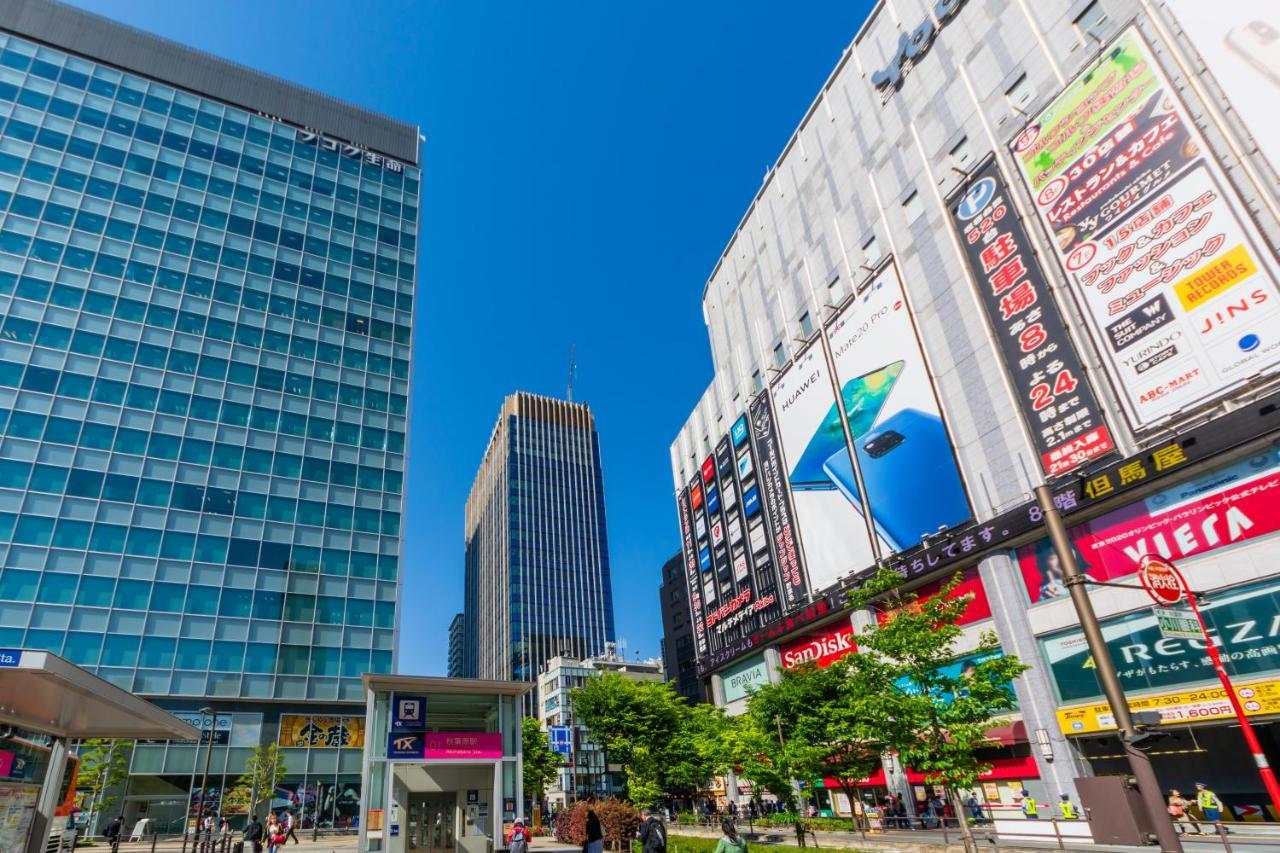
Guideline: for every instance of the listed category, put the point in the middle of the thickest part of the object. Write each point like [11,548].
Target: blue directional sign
[561,738]
[408,713]
[406,745]
[10,657]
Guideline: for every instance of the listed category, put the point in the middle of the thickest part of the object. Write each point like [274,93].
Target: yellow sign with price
[1182,708]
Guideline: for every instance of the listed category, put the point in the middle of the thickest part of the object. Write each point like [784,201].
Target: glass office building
[537,551]
[206,285]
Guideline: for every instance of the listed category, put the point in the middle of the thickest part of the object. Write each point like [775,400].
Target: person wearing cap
[519,837]
[1209,803]
[1068,808]
[1030,808]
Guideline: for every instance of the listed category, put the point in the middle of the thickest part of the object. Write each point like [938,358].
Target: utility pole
[1105,668]
[204,781]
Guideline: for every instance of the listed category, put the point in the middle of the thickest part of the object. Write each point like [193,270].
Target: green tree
[934,707]
[104,764]
[263,768]
[635,723]
[825,726]
[757,755]
[540,763]
[698,750]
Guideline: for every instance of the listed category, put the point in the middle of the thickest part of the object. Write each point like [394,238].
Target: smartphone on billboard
[1258,44]
[900,457]
[864,397]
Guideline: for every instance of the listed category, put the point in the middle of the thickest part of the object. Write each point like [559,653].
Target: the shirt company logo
[913,45]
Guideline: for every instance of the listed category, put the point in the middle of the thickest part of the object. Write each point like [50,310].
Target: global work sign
[1245,623]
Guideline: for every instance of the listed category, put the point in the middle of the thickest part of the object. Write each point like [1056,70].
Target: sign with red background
[823,647]
[1232,504]
[970,582]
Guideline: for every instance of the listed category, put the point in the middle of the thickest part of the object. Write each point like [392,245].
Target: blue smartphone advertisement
[863,399]
[909,447]
[751,501]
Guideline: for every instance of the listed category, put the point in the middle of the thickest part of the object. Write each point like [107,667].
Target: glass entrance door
[432,822]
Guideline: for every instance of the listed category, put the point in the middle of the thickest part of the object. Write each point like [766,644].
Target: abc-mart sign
[913,45]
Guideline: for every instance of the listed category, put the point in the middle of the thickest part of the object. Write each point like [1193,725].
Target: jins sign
[912,45]
[823,647]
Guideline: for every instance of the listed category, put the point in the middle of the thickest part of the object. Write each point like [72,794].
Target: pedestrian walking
[974,807]
[731,842]
[519,842]
[900,814]
[275,835]
[255,833]
[224,827]
[113,830]
[653,838]
[1030,808]
[1179,809]
[289,826]
[595,834]
[1067,808]
[939,809]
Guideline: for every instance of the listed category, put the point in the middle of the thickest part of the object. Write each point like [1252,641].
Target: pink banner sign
[6,762]
[464,745]
[1225,507]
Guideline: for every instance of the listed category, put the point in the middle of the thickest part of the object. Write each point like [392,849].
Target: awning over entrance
[45,693]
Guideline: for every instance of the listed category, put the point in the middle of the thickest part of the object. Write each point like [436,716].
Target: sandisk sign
[823,647]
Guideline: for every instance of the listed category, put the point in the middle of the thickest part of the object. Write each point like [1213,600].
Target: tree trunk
[966,833]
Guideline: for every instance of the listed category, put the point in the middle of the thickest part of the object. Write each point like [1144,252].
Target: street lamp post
[204,781]
[1105,668]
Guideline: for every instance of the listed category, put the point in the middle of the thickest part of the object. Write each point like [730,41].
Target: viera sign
[913,45]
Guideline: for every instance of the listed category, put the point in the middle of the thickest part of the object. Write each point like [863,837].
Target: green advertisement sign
[1244,621]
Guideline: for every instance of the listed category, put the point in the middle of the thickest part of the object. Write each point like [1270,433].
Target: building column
[1058,762]
[47,803]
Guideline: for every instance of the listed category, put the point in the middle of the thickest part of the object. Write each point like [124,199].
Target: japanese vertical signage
[1174,281]
[1048,378]
[775,494]
[692,573]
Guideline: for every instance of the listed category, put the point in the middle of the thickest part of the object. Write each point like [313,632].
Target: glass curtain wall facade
[537,557]
[204,381]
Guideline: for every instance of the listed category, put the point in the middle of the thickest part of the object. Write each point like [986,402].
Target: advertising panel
[1179,708]
[744,677]
[1177,290]
[970,584]
[1048,378]
[1243,621]
[823,647]
[833,535]
[1240,45]
[1232,504]
[901,442]
[776,498]
[468,745]
[692,574]
[321,732]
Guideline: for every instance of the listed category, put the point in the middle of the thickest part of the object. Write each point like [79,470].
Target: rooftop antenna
[572,369]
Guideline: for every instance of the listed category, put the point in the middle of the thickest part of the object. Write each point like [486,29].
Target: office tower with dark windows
[537,555]
[206,285]
[679,657]
[457,648]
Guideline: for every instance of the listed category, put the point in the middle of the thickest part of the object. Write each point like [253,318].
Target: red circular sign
[1161,580]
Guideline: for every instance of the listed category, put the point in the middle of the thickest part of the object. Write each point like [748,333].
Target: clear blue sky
[585,164]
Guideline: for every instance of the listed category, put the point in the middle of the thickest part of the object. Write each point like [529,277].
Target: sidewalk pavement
[1244,839]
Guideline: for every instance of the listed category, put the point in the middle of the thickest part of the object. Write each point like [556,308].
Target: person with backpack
[519,842]
[254,833]
[653,838]
[731,842]
[112,832]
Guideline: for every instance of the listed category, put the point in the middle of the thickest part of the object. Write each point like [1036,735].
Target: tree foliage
[262,769]
[540,763]
[820,723]
[935,705]
[104,764]
[661,743]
